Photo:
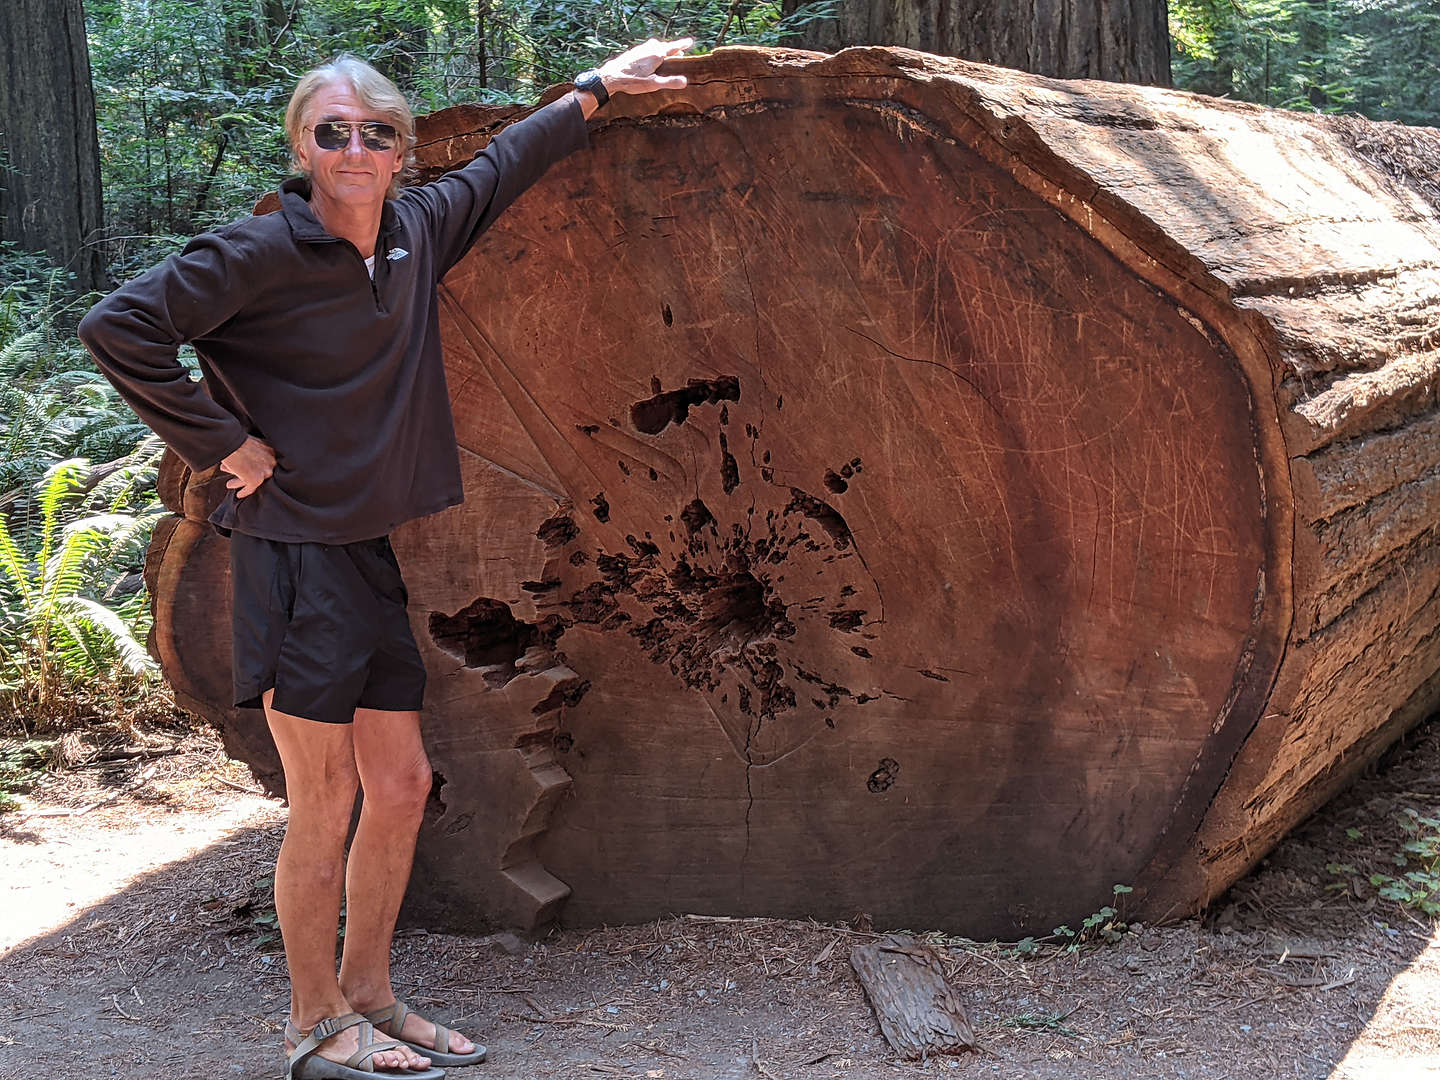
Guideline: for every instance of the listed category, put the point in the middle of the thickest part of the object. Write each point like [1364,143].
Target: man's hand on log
[249,467]
[633,71]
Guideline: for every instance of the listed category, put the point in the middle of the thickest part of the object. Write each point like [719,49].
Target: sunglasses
[335,135]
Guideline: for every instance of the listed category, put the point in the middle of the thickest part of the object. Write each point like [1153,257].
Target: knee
[401,788]
[323,806]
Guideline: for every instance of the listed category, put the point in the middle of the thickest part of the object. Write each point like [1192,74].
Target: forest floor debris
[138,933]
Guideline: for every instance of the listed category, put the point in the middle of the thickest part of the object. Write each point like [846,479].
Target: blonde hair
[377,93]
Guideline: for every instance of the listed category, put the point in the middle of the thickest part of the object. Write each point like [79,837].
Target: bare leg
[395,777]
[320,783]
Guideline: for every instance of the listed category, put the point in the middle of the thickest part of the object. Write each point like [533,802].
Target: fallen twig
[239,787]
[1337,983]
[755,1060]
[564,1020]
[657,1050]
[126,755]
[115,1000]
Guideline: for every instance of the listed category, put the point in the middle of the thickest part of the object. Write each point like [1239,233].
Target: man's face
[354,175]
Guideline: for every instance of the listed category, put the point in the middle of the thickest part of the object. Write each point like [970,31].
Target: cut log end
[961,475]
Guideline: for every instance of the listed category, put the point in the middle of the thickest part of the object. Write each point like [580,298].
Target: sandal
[304,1063]
[391,1021]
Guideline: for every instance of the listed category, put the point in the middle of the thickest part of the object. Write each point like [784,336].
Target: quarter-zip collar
[306,227]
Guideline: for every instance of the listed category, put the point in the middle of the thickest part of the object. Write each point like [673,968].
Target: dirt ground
[135,944]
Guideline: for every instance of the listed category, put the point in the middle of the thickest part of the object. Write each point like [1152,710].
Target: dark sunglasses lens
[377,136]
[332,136]
[335,135]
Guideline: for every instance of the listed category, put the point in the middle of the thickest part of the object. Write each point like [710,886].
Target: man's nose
[356,144]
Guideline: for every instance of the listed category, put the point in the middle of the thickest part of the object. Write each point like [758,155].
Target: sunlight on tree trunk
[49,156]
[1117,40]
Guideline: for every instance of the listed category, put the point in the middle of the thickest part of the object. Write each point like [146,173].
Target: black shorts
[325,626]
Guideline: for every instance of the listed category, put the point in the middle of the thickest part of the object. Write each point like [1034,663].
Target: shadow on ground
[1300,971]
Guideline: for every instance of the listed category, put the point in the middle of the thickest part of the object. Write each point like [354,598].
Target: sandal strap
[325,1029]
[368,1049]
[391,1019]
[442,1039]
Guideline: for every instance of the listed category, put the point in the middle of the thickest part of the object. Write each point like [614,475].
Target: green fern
[58,564]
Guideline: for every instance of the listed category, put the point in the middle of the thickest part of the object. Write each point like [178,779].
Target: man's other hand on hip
[249,467]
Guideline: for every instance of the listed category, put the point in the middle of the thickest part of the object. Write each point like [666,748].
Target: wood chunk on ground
[919,1014]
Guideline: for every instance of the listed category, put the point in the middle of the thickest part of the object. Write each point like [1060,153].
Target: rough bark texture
[1116,40]
[49,153]
[905,486]
[918,1013]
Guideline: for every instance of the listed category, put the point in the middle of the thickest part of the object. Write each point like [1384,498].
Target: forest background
[189,98]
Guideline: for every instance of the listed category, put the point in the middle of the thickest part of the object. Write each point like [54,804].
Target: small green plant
[262,913]
[1026,946]
[22,763]
[1419,857]
[265,919]
[1106,926]
[1416,886]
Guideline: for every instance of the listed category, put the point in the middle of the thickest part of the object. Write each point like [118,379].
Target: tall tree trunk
[50,169]
[1118,40]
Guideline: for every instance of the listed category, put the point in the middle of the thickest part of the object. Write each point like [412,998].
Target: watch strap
[591,82]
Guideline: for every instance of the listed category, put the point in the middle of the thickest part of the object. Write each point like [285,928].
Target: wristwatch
[592,82]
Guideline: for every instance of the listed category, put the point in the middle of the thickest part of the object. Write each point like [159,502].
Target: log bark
[49,150]
[905,486]
[918,1013]
[1116,40]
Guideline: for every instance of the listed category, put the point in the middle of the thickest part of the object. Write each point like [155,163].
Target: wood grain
[905,486]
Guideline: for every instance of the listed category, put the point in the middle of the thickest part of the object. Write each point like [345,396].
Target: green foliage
[65,621]
[1412,876]
[1418,886]
[22,763]
[1374,57]
[191,95]
[54,405]
[1106,926]
[263,917]
[73,609]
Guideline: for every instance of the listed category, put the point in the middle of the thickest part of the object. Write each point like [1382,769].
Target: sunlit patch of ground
[56,867]
[1401,1040]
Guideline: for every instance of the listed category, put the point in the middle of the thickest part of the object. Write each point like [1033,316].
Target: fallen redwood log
[905,486]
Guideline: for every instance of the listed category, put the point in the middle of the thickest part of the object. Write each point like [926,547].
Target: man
[317,330]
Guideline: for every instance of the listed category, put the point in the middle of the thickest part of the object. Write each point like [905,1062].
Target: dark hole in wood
[557,531]
[883,777]
[435,805]
[696,516]
[487,635]
[655,414]
[823,514]
[729,470]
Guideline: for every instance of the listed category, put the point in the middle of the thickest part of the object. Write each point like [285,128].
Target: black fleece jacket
[341,375]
